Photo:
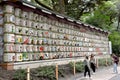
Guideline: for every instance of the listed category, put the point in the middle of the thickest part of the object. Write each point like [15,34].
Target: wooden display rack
[7,66]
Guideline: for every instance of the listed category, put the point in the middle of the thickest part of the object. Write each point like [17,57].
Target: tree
[115,39]
[117,3]
[103,17]
[72,8]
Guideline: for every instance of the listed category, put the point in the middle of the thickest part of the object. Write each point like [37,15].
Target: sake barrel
[9,28]
[35,48]
[44,40]
[30,32]
[25,56]
[29,23]
[25,48]
[1,10]
[37,56]
[18,21]
[24,15]
[32,24]
[71,54]
[45,27]
[45,48]
[18,56]
[48,48]
[18,39]
[31,56]
[52,48]
[50,55]
[35,25]
[18,48]
[17,12]
[41,48]
[53,35]
[9,47]
[40,40]
[8,9]
[46,33]
[29,48]
[30,15]
[40,33]
[9,57]
[10,18]
[1,31]
[49,41]
[18,30]
[24,23]
[40,18]
[1,50]
[34,56]
[46,55]
[1,20]
[30,40]
[9,37]
[35,33]
[35,40]
[25,39]
[35,17]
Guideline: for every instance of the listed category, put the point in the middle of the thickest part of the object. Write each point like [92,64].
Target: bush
[20,75]
[102,62]
[109,61]
[45,72]
[79,66]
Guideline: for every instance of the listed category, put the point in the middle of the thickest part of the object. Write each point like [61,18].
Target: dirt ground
[6,74]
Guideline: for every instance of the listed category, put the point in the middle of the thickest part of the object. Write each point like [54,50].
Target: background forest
[104,14]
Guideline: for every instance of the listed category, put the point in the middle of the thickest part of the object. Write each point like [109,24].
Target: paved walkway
[101,74]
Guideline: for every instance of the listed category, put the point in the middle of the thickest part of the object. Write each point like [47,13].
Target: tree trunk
[118,21]
[62,6]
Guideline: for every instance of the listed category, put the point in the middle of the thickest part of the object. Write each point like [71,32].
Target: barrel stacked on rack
[9,33]
[29,36]
[1,33]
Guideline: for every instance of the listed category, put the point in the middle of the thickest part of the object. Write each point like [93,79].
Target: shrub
[102,62]
[45,72]
[79,66]
[109,61]
[20,75]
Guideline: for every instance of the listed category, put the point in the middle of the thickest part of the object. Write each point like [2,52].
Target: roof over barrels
[41,10]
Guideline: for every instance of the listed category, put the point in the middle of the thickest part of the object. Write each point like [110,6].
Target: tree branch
[41,4]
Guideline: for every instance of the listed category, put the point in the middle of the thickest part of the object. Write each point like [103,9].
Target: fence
[102,62]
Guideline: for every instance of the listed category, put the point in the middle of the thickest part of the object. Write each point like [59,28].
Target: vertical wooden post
[106,62]
[28,73]
[56,71]
[74,71]
[97,64]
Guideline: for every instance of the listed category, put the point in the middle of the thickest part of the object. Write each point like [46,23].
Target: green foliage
[79,66]
[46,2]
[77,8]
[72,8]
[102,62]
[46,72]
[20,75]
[109,61]
[115,39]
[103,17]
